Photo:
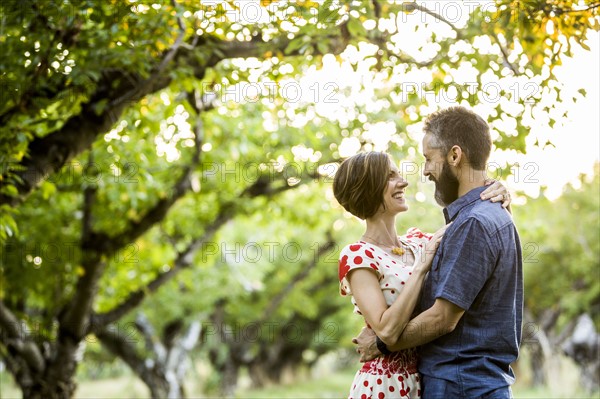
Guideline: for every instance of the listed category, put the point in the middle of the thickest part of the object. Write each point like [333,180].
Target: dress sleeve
[355,256]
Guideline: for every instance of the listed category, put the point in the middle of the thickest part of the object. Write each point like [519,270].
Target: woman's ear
[454,156]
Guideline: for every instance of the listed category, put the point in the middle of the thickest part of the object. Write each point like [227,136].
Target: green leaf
[322,46]
[356,28]
[100,106]
[294,45]
[47,189]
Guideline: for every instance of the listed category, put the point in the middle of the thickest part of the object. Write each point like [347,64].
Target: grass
[327,385]
[334,385]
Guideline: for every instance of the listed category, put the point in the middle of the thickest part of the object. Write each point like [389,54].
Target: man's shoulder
[490,215]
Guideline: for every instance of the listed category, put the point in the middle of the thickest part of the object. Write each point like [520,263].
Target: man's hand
[367,345]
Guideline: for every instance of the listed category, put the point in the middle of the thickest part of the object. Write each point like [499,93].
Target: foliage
[134,135]
[75,54]
[563,250]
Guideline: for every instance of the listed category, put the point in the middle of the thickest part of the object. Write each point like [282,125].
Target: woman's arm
[389,322]
[436,321]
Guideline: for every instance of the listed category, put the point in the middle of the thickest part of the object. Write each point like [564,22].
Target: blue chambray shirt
[478,267]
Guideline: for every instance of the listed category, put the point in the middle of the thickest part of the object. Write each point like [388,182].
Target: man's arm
[468,262]
[436,321]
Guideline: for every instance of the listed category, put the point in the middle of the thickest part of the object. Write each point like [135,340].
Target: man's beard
[446,187]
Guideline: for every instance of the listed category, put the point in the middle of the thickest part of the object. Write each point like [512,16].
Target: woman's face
[393,196]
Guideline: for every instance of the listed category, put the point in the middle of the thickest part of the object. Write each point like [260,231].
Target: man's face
[438,170]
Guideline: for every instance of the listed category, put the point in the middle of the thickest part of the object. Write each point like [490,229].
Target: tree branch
[9,323]
[407,59]
[89,196]
[301,275]
[118,344]
[559,11]
[145,87]
[12,364]
[376,8]
[505,55]
[411,6]
[160,209]
[47,89]
[15,337]
[47,155]
[75,313]
[94,245]
[152,341]
[182,261]
[118,88]
[74,317]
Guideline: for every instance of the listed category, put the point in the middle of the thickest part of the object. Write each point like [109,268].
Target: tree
[566,255]
[109,136]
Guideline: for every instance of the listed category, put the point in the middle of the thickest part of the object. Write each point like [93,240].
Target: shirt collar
[452,210]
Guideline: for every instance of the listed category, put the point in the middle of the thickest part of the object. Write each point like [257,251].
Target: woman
[383,272]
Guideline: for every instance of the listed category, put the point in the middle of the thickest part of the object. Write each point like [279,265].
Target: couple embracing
[443,311]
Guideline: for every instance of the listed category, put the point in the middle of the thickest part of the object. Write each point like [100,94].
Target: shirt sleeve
[467,262]
[355,256]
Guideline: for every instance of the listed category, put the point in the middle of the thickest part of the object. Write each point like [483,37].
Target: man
[470,329]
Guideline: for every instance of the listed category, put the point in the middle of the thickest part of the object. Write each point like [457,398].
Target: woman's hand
[495,192]
[426,256]
[366,345]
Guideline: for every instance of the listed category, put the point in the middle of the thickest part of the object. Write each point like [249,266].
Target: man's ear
[454,156]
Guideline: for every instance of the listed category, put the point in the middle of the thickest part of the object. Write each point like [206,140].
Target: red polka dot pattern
[393,376]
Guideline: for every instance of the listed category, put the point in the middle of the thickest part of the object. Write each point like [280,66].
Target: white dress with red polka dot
[394,375]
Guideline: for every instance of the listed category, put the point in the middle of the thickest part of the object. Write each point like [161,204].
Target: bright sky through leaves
[558,149]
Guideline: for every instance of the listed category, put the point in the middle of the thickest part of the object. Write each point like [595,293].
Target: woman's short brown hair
[360,182]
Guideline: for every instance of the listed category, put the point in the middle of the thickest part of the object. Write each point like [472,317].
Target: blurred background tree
[149,151]
[562,278]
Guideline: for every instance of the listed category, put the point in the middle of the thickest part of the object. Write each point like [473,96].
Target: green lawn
[334,385]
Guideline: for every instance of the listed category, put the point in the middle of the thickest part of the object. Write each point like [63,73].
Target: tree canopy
[141,141]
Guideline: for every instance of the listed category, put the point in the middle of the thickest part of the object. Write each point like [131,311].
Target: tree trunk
[227,367]
[50,390]
[274,372]
[229,379]
[540,341]
[583,347]
[178,360]
[540,352]
[42,384]
[42,369]
[274,360]
[163,368]
[147,371]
